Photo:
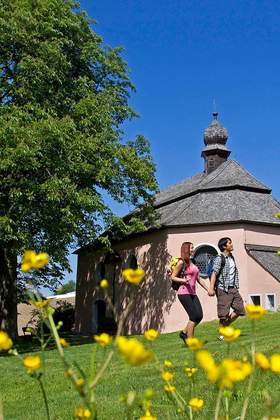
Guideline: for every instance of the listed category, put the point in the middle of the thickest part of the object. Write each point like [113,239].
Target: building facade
[223,200]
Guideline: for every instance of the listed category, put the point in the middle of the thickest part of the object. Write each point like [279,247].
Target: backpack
[174,261]
[211,263]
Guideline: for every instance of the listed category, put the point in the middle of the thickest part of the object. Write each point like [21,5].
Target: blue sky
[182,54]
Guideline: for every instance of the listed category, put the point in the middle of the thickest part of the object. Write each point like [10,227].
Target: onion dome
[215,133]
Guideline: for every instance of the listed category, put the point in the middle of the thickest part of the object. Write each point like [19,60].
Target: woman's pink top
[191,272]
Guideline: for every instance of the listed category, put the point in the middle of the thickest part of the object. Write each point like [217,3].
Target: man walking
[224,282]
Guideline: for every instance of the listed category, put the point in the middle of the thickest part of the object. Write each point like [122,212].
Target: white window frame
[266,301]
[255,294]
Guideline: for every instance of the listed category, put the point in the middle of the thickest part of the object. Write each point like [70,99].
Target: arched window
[132,262]
[202,256]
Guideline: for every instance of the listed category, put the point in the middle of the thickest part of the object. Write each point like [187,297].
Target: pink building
[223,200]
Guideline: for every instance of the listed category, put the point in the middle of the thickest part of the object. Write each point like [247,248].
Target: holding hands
[211,292]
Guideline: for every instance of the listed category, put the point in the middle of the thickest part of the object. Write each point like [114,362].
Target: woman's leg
[195,315]
[190,329]
[190,308]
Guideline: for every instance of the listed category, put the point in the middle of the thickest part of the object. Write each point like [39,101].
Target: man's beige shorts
[231,299]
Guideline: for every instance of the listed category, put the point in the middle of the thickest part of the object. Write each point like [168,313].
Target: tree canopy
[68,287]
[64,97]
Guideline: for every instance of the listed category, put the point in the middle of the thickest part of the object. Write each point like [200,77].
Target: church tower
[215,152]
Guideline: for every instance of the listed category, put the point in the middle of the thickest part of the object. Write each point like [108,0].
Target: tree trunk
[8,293]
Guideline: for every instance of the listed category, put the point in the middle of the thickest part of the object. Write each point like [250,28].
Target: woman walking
[186,274]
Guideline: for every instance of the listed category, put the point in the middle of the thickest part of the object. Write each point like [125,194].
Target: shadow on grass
[30,344]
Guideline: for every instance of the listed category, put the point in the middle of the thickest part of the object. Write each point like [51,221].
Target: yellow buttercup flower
[169,388]
[64,343]
[277,215]
[167,376]
[133,351]
[207,362]
[80,383]
[68,373]
[32,363]
[133,276]
[273,418]
[232,371]
[104,284]
[5,341]
[196,404]
[190,372]
[32,260]
[227,372]
[103,339]
[205,359]
[168,364]
[255,311]
[41,304]
[151,334]
[229,333]
[148,416]
[275,363]
[82,413]
[262,361]
[194,343]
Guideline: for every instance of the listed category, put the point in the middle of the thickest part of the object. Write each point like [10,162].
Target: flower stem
[44,397]
[246,401]
[218,404]
[227,407]
[250,383]
[228,349]
[110,355]
[191,413]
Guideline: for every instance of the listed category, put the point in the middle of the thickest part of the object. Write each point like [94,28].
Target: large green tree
[63,100]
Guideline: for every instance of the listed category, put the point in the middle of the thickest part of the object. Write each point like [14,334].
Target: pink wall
[262,235]
[156,303]
[260,282]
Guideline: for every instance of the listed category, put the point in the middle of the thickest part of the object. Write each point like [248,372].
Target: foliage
[68,287]
[63,101]
[65,313]
[64,98]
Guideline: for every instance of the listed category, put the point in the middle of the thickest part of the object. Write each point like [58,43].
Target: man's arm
[216,269]
[213,278]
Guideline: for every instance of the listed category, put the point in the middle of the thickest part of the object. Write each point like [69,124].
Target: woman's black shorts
[192,306]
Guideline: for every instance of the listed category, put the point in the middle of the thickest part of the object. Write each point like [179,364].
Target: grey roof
[267,257]
[228,175]
[221,207]
[228,194]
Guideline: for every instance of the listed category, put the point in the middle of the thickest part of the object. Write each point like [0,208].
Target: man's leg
[223,307]
[237,306]
[230,318]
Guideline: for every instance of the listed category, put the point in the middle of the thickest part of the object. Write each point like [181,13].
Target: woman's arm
[176,271]
[202,283]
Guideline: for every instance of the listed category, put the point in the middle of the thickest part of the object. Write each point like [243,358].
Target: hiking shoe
[221,338]
[183,336]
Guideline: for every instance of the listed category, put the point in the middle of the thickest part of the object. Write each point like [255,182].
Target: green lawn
[22,398]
